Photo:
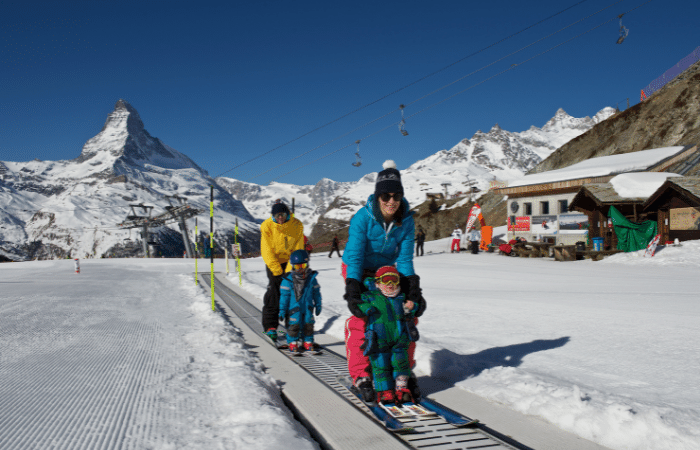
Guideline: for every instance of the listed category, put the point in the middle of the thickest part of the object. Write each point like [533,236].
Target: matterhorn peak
[124,117]
[495,129]
[124,142]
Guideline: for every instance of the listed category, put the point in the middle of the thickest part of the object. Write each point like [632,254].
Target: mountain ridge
[72,207]
[49,212]
[485,157]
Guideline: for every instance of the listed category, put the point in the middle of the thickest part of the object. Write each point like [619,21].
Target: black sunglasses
[386,196]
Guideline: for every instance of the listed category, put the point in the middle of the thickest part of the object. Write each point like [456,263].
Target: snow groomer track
[326,369]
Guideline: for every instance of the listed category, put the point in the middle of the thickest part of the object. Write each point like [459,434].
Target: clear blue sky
[224,82]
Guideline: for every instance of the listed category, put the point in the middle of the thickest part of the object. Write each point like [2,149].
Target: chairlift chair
[623,31]
[358,159]
[403,122]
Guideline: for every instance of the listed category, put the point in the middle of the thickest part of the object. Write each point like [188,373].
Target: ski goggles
[390,279]
[386,196]
[302,266]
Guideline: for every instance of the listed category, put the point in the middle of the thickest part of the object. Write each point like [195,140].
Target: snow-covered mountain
[72,207]
[310,202]
[497,155]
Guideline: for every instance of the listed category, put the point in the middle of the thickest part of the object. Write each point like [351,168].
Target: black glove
[414,294]
[353,295]
[276,279]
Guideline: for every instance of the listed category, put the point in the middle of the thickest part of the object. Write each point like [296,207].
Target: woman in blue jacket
[382,233]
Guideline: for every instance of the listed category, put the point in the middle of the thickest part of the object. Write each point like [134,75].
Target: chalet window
[544,208]
[527,209]
[563,206]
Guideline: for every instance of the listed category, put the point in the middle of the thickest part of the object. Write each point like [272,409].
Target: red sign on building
[519,223]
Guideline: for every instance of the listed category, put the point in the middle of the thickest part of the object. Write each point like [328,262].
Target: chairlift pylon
[403,122]
[623,31]
[358,159]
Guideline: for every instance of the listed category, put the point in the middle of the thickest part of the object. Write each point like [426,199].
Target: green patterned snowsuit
[386,338]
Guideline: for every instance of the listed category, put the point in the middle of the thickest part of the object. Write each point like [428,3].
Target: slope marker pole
[211,244]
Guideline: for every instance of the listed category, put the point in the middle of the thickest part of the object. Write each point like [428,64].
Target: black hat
[279,207]
[388,180]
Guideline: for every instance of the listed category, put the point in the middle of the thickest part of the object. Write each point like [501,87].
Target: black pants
[475,247]
[335,249]
[271,300]
[419,246]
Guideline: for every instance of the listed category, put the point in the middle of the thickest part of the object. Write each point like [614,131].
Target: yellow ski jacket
[277,242]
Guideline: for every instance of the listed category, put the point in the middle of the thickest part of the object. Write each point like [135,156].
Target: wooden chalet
[676,207]
[546,198]
[595,201]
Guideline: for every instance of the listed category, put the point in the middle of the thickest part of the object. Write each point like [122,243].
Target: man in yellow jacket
[280,235]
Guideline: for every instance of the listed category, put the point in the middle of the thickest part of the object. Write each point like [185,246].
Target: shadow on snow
[450,367]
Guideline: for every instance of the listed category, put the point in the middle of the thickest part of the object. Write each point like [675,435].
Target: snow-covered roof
[602,166]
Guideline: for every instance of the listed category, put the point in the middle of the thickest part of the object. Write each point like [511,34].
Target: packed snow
[602,166]
[128,354]
[639,184]
[129,350]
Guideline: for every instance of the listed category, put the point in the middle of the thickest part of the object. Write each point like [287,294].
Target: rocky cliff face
[671,116]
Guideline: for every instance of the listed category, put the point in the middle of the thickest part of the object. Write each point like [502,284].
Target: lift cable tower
[174,213]
[181,213]
[141,221]
[445,185]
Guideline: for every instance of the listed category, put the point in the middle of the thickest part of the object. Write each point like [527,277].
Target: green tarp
[631,236]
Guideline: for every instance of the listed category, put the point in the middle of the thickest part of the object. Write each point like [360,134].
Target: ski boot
[308,346]
[386,397]
[403,394]
[413,388]
[364,385]
[293,347]
[272,334]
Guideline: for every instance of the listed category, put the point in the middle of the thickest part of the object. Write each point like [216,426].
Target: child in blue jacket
[300,298]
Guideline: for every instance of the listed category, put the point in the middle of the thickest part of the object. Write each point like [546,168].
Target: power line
[400,89]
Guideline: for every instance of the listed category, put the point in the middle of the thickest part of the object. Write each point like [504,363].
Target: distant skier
[474,237]
[456,239]
[390,330]
[420,240]
[300,297]
[335,247]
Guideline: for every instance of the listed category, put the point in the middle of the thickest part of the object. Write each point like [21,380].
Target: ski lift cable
[323,145]
[514,53]
[467,89]
[510,68]
[402,88]
[401,107]
[336,151]
[443,87]
[526,60]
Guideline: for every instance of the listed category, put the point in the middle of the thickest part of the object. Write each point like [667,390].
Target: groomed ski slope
[127,354]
